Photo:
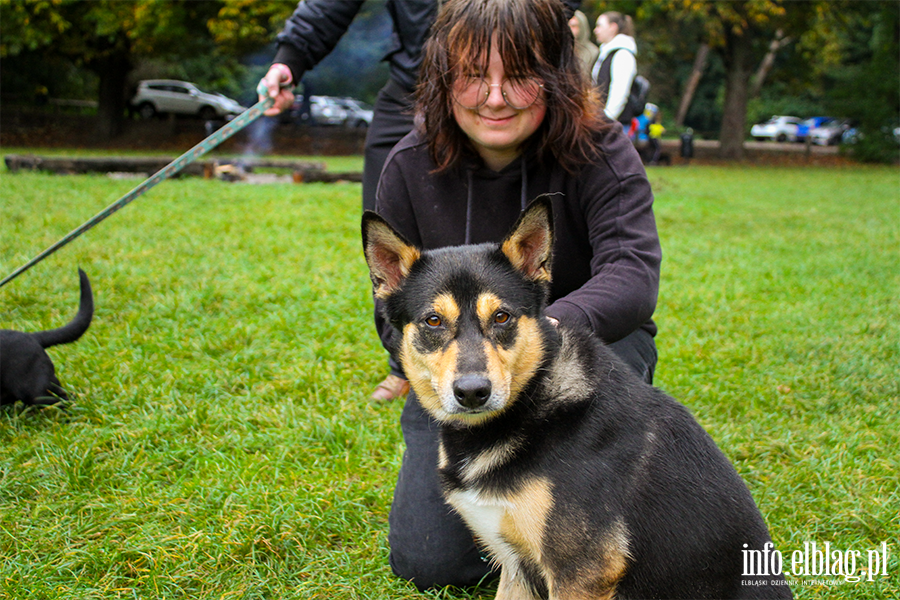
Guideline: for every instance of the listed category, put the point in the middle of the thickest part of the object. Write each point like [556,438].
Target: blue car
[809,124]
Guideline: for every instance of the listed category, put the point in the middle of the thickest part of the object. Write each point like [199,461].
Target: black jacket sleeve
[312,32]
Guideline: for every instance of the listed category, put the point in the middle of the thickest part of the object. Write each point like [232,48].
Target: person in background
[309,35]
[616,65]
[507,115]
[586,50]
[646,131]
[655,132]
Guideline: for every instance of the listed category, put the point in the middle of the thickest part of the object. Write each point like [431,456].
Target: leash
[174,167]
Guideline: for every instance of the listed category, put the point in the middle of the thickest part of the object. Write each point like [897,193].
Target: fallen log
[142,164]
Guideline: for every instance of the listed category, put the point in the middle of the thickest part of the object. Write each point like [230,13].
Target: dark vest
[602,82]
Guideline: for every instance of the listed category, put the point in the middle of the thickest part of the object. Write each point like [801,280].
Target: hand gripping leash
[228,130]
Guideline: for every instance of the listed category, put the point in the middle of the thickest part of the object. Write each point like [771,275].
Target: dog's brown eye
[501,317]
[433,321]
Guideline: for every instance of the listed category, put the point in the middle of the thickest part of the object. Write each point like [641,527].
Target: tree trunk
[688,96]
[113,71]
[766,65]
[738,56]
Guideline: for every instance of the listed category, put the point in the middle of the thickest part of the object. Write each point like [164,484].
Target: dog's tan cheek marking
[498,371]
[416,368]
[523,526]
[430,375]
[523,359]
[509,369]
[442,363]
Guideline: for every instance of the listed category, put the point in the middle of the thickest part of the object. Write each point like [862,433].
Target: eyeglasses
[518,92]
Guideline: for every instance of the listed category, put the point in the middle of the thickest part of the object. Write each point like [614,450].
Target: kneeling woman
[505,116]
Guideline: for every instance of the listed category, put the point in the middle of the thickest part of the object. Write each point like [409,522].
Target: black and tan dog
[581,480]
[26,371]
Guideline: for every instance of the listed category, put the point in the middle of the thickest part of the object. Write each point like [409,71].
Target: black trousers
[392,119]
[431,545]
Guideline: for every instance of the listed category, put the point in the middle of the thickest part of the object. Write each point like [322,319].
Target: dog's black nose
[472,391]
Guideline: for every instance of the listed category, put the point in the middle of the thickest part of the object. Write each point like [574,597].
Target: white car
[359,114]
[163,96]
[326,110]
[829,134]
[778,128]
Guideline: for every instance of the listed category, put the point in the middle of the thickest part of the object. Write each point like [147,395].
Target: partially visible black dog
[26,371]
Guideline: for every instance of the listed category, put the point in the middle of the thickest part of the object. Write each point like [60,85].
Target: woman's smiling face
[496,129]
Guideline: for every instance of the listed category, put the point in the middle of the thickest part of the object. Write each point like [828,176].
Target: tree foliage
[105,36]
[243,26]
[864,87]
[841,55]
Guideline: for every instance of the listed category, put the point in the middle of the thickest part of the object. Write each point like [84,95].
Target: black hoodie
[606,254]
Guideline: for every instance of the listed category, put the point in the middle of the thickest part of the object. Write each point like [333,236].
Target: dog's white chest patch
[510,525]
[482,513]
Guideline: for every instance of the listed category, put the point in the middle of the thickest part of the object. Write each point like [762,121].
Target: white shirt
[621,73]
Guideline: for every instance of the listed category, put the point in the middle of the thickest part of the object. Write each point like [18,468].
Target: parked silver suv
[158,96]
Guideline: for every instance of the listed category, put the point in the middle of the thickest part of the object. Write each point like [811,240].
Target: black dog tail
[77,326]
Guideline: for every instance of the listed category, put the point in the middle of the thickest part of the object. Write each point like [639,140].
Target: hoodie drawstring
[524,195]
[469,207]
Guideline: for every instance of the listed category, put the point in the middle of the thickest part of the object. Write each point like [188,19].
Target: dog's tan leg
[513,587]
[602,586]
[593,594]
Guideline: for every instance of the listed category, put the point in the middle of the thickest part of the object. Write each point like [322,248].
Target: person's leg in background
[638,350]
[392,119]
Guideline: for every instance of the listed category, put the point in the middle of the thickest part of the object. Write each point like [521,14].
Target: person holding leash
[616,66]
[309,35]
[506,116]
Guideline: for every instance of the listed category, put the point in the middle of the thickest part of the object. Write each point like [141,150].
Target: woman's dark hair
[533,39]
[623,22]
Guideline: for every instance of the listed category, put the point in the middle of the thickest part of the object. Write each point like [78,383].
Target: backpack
[637,98]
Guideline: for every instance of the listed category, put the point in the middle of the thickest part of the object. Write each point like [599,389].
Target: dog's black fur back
[26,371]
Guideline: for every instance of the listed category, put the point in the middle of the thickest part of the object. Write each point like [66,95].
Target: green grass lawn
[222,446]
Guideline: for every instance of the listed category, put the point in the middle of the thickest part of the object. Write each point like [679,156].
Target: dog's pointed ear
[529,246]
[390,257]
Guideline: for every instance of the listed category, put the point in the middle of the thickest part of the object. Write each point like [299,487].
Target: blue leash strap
[225,132]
